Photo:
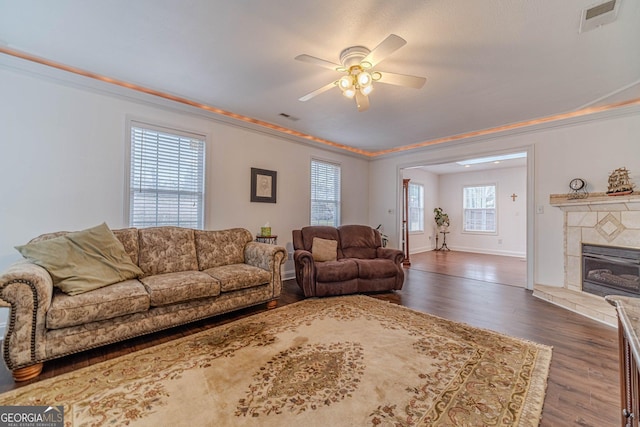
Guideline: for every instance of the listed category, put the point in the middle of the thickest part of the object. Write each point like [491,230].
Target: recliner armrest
[305,271]
[396,255]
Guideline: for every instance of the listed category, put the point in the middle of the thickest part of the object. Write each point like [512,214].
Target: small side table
[444,246]
[272,240]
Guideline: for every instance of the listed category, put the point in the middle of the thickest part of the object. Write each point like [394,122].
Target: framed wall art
[263,185]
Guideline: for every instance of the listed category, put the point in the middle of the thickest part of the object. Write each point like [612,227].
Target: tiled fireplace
[601,221]
[610,270]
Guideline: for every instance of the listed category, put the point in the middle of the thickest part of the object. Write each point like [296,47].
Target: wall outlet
[289,255]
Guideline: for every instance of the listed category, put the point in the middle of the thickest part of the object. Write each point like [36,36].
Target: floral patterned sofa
[186,275]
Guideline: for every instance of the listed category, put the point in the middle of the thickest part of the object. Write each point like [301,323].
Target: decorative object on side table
[578,188]
[265,230]
[263,185]
[442,221]
[619,183]
[265,235]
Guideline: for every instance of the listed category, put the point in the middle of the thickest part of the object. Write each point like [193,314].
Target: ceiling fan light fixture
[357,63]
[349,93]
[345,82]
[364,79]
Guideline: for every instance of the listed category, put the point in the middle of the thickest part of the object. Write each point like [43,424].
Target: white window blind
[480,209]
[325,193]
[416,207]
[166,180]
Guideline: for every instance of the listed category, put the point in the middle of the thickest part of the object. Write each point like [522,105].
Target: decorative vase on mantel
[619,183]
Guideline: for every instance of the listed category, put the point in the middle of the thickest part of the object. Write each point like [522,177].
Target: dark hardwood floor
[505,270]
[583,382]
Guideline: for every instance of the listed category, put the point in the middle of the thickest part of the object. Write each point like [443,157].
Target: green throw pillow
[84,260]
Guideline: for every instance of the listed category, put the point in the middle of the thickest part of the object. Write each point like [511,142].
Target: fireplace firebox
[609,270]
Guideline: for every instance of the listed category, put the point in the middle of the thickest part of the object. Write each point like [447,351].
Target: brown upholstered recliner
[357,262]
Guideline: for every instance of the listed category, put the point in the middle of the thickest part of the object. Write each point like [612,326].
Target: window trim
[338,219]
[167,128]
[480,232]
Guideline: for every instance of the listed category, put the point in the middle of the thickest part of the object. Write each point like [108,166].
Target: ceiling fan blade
[362,101]
[317,61]
[317,91]
[402,80]
[384,49]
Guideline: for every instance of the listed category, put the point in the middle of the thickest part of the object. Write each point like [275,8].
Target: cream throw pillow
[83,260]
[324,249]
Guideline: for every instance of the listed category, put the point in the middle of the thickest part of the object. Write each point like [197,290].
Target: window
[166,177]
[325,193]
[480,209]
[416,207]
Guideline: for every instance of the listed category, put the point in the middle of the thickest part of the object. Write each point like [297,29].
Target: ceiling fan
[357,63]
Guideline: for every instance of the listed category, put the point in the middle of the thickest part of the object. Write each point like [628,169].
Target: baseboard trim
[289,274]
[490,252]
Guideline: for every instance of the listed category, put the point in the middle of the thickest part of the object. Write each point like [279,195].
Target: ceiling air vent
[288,116]
[598,15]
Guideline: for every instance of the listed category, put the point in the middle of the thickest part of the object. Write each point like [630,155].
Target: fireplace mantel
[597,220]
[596,202]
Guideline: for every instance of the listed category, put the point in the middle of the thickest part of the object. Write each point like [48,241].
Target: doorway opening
[489,201]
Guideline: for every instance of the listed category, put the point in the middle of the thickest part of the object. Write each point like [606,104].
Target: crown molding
[544,123]
[89,80]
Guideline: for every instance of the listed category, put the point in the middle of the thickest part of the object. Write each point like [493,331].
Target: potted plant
[383,236]
[441,218]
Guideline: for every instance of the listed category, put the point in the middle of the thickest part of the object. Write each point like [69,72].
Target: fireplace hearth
[610,270]
[597,220]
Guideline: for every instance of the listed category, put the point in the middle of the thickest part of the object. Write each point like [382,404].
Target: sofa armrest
[28,288]
[264,255]
[396,255]
[305,271]
[268,257]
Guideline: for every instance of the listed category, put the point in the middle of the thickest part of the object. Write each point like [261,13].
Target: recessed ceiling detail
[492,159]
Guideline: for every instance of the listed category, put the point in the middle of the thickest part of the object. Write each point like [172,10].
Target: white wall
[590,149]
[62,151]
[511,237]
[62,165]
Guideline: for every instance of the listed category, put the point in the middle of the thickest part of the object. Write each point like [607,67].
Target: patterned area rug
[345,361]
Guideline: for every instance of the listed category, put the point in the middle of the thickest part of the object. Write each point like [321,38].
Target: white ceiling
[487,63]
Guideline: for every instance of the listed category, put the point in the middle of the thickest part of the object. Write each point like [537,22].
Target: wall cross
[513,196]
